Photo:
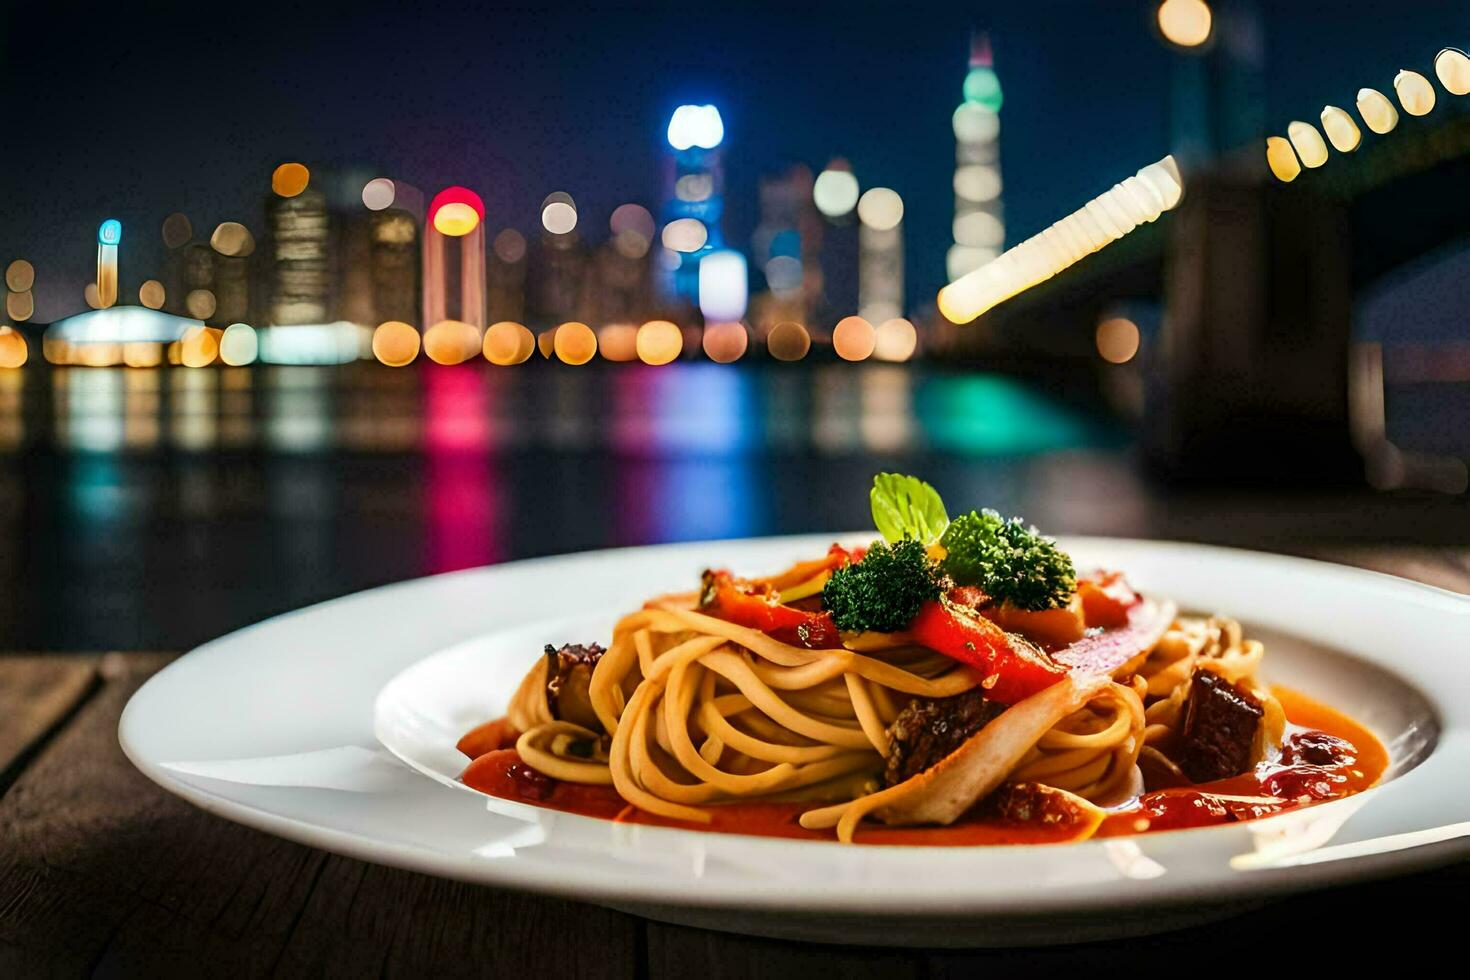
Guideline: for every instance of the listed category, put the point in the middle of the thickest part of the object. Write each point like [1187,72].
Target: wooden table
[103,872]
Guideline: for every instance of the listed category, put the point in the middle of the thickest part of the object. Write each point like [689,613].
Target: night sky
[187,107]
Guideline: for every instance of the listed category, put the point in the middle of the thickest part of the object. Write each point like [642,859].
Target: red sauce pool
[1325,755]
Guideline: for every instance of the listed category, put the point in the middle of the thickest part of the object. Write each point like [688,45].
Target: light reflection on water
[156,508]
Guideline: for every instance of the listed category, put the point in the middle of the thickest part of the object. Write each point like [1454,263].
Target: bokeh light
[835,192]
[725,343]
[694,187]
[1452,66]
[200,303]
[20,306]
[632,228]
[89,294]
[1340,129]
[1377,112]
[1310,148]
[1186,23]
[895,340]
[1415,93]
[395,343]
[507,343]
[788,341]
[509,246]
[545,342]
[198,347]
[290,179]
[152,294]
[977,182]
[378,194]
[456,211]
[233,239]
[880,208]
[853,338]
[659,342]
[559,213]
[696,125]
[451,342]
[238,345]
[723,286]
[1117,340]
[20,276]
[685,235]
[1281,158]
[142,354]
[618,342]
[177,231]
[575,343]
[13,349]
[973,123]
[109,232]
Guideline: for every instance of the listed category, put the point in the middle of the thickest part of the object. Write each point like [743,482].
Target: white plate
[273,726]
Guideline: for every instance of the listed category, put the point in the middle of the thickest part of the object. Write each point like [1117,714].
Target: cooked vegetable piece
[762,610]
[1219,727]
[568,678]
[884,591]
[1012,668]
[1106,599]
[1010,560]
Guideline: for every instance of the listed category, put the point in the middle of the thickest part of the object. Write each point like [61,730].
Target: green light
[982,87]
[992,415]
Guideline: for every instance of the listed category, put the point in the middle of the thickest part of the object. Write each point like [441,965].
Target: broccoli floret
[884,591]
[1009,560]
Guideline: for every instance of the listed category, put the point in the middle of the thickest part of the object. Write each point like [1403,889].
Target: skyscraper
[979,225]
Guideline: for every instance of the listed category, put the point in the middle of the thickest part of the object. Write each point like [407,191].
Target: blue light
[109,232]
[696,125]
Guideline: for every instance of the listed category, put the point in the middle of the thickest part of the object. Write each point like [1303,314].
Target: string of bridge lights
[1303,146]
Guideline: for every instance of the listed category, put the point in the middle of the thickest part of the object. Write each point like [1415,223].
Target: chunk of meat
[1219,728]
[931,728]
[568,680]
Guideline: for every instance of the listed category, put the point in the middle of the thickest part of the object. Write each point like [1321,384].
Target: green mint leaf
[907,507]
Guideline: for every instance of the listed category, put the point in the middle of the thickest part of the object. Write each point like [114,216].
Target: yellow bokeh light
[659,342]
[1377,112]
[880,208]
[1341,130]
[456,219]
[1415,93]
[1307,142]
[451,342]
[232,239]
[788,341]
[198,347]
[20,276]
[545,341]
[290,179]
[618,342]
[1281,158]
[13,348]
[1186,23]
[575,343]
[1452,66]
[152,294]
[725,343]
[685,235]
[89,293]
[507,343]
[1117,340]
[853,338]
[895,340]
[395,343]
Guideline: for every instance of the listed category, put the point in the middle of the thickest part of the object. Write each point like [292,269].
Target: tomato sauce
[1325,755]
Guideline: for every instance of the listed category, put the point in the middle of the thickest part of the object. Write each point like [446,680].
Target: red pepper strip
[1104,652]
[1018,669]
[760,611]
[1107,599]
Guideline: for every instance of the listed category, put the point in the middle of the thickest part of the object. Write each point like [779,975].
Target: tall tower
[693,214]
[979,224]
